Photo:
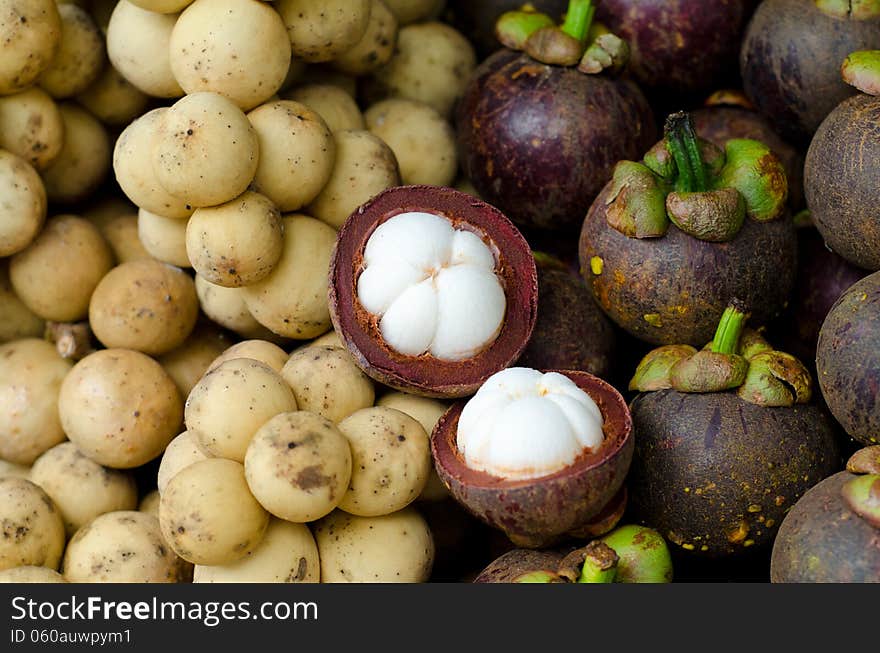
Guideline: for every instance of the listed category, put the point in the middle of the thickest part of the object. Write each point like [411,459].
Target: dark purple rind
[822,277]
[534,513]
[686,281]
[514,564]
[848,360]
[719,124]
[677,45]
[822,541]
[540,141]
[842,180]
[713,471]
[425,375]
[790,63]
[572,332]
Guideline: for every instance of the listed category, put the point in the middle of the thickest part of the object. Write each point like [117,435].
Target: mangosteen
[718,123]
[678,45]
[476,20]
[671,238]
[537,137]
[629,554]
[432,290]
[791,55]
[832,535]
[571,332]
[822,277]
[848,360]
[725,441]
[536,455]
[843,168]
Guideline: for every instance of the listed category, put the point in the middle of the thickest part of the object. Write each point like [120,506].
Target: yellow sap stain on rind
[596,265]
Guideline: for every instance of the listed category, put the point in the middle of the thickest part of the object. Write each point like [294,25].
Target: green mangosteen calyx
[737,359]
[577,42]
[862,494]
[854,9]
[704,191]
[862,70]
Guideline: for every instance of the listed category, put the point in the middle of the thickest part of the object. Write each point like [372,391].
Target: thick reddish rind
[426,375]
[535,512]
[517,563]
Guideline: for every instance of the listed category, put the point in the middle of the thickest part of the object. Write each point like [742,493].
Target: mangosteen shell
[683,284]
[719,124]
[677,45]
[571,332]
[514,564]
[842,180]
[715,475]
[426,375]
[848,360]
[790,63]
[539,141]
[538,512]
[822,540]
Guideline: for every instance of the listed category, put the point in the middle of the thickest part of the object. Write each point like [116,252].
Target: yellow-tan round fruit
[237,243]
[112,99]
[292,300]
[18,320]
[209,516]
[321,31]
[119,407]
[391,460]
[22,204]
[232,401]
[31,126]
[237,48]
[84,160]
[259,350]
[326,381]
[226,307]
[30,31]
[31,372]
[180,453]
[395,548]
[336,107]
[56,275]
[125,546]
[121,234]
[189,362]
[163,238]
[31,574]
[376,46]
[144,305]
[81,488]
[32,528]
[286,554]
[298,465]
[80,55]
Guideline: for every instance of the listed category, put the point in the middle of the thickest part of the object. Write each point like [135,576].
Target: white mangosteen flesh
[434,287]
[523,424]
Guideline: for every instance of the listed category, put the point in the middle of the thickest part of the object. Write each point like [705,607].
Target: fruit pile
[423,290]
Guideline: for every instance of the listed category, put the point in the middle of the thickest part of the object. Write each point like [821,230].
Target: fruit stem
[729,329]
[681,139]
[600,564]
[578,19]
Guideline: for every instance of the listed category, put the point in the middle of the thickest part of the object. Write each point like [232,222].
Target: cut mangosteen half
[432,290]
[536,454]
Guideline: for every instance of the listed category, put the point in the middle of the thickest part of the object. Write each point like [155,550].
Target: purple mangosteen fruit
[791,54]
[670,238]
[725,441]
[537,137]
[848,360]
[832,534]
[842,171]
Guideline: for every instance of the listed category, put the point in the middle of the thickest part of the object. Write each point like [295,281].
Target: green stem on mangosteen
[681,139]
[594,572]
[513,28]
[578,19]
[726,340]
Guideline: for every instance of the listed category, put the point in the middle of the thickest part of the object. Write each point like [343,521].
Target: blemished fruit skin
[673,290]
[841,180]
[790,63]
[848,360]
[822,540]
[540,141]
[511,566]
[715,475]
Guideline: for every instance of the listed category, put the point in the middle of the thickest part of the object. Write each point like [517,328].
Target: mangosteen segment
[862,70]
[432,290]
[523,424]
[536,511]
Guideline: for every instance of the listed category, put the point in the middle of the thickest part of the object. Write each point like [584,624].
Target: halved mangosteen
[432,290]
[534,454]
